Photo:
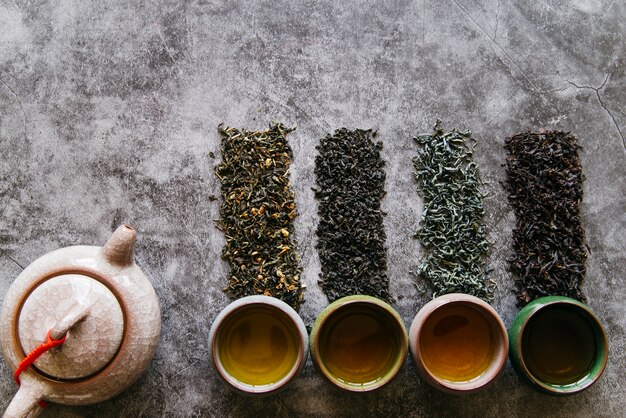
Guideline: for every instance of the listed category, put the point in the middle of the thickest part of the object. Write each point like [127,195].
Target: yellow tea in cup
[457,343]
[258,344]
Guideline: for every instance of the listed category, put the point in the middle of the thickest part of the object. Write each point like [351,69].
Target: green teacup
[558,345]
[359,343]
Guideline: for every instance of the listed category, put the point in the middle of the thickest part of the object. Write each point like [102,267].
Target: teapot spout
[119,248]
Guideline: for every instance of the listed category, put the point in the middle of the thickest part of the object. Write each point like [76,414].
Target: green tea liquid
[257,347]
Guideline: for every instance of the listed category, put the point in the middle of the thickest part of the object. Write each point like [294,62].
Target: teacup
[359,343]
[258,345]
[558,345]
[458,343]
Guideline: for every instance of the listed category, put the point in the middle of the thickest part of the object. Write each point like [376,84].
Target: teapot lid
[91,344]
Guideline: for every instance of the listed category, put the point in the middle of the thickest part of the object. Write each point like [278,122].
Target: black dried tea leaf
[351,237]
[257,214]
[544,184]
[451,228]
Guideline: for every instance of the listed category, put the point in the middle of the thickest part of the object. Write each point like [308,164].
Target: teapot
[98,308]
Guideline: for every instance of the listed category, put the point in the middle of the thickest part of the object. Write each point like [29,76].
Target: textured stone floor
[108,112]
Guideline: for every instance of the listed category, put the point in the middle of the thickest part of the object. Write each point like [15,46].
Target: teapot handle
[25,403]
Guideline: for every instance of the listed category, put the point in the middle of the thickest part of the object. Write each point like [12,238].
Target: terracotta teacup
[258,345]
[558,345]
[458,343]
[359,343]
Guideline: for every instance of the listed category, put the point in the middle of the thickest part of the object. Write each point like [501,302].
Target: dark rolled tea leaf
[544,183]
[257,214]
[351,237]
[452,228]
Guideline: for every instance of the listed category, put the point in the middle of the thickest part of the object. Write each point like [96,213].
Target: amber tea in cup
[458,343]
[258,345]
[359,343]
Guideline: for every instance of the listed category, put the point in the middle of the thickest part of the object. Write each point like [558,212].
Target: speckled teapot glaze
[105,306]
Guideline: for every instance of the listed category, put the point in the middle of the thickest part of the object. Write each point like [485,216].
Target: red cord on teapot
[34,355]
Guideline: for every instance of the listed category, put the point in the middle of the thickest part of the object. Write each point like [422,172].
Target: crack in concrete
[495,32]
[19,102]
[533,88]
[255,92]
[597,91]
[12,259]
[183,369]
[504,105]
[167,49]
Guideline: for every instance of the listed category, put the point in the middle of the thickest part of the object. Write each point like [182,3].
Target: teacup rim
[248,302]
[338,304]
[496,324]
[542,303]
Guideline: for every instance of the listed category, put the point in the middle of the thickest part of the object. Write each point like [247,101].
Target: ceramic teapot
[100,304]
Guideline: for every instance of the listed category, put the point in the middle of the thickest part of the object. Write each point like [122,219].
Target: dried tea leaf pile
[452,228]
[257,214]
[544,182]
[351,237]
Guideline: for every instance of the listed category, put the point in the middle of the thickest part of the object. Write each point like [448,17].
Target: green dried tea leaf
[452,228]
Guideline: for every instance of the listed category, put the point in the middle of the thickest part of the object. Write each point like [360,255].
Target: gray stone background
[109,109]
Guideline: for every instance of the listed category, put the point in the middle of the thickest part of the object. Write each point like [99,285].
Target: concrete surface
[108,111]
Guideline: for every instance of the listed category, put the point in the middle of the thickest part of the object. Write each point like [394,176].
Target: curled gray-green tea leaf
[257,214]
[451,228]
